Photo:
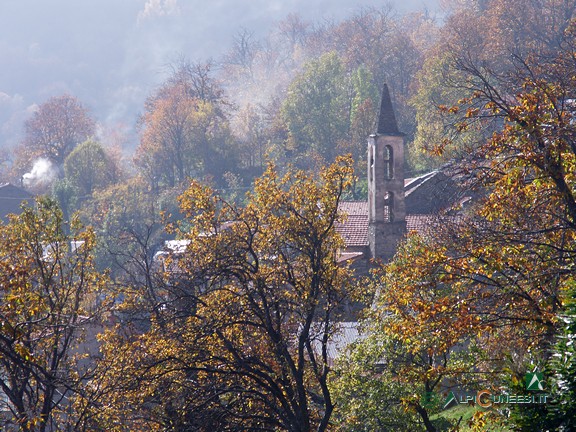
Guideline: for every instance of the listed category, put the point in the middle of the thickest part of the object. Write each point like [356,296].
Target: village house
[11,199]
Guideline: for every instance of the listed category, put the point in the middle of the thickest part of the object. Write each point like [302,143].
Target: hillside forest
[190,281]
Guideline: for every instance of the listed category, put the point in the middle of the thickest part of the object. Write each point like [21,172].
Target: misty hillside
[287,216]
[112,54]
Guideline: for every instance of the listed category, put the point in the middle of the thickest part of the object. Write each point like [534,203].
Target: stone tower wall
[386,204]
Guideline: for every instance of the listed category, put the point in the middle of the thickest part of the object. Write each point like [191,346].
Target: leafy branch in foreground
[241,339]
[52,299]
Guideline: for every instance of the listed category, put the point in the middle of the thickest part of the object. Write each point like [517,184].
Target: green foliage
[561,370]
[370,395]
[316,109]
[530,417]
[362,124]
[436,141]
[364,89]
[127,218]
[66,195]
[88,167]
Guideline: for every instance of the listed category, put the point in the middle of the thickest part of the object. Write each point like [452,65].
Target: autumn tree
[165,152]
[415,344]
[381,43]
[54,130]
[240,340]
[381,383]
[472,283]
[501,270]
[52,298]
[197,81]
[327,103]
[536,151]
[490,40]
[294,30]
[240,59]
[185,132]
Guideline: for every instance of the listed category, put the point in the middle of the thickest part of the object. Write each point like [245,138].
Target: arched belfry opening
[386,207]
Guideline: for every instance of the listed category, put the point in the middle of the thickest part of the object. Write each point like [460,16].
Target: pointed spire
[386,120]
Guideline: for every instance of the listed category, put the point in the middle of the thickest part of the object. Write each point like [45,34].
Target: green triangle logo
[449,400]
[534,381]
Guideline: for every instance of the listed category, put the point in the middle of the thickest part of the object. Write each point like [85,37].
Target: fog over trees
[188,264]
[112,54]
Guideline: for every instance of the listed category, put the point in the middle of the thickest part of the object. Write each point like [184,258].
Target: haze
[111,54]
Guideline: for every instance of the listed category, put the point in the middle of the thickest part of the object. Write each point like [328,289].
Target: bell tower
[386,208]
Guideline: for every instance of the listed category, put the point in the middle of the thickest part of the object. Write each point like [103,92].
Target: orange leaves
[249,299]
[469,279]
[492,107]
[55,129]
[472,112]
[51,295]
[449,110]
[198,203]
[181,134]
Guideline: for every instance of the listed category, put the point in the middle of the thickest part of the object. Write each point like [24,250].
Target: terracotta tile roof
[419,223]
[358,208]
[354,230]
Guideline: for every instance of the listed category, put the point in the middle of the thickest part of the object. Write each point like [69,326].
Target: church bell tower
[386,208]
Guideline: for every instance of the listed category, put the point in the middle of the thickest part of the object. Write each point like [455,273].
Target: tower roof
[387,120]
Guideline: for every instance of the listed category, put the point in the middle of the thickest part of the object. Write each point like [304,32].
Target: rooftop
[354,230]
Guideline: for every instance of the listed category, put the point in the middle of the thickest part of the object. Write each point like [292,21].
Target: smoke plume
[42,174]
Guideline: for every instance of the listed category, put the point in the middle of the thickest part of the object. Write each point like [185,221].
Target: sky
[111,54]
